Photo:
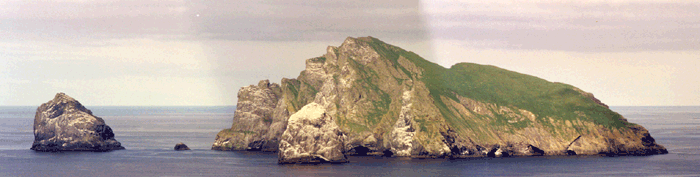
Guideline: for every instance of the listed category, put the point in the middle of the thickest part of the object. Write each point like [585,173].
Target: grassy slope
[490,84]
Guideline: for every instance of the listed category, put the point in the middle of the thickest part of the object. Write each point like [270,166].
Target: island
[367,97]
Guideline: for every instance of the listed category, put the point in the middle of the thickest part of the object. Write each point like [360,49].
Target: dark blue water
[150,133]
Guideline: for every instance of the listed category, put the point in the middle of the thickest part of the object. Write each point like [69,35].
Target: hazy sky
[177,52]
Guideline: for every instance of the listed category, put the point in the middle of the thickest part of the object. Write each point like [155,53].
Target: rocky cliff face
[258,123]
[386,100]
[312,137]
[63,124]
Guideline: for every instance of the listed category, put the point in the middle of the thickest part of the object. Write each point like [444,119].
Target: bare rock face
[312,137]
[403,132]
[181,147]
[252,120]
[63,124]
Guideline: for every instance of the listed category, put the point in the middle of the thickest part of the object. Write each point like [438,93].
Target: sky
[200,53]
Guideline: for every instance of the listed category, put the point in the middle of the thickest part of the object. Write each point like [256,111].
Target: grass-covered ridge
[490,84]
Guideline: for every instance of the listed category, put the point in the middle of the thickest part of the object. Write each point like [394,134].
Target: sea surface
[150,133]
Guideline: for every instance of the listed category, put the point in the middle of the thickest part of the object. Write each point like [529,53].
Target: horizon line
[235,105]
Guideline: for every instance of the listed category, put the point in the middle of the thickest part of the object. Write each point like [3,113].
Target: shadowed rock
[63,124]
[181,147]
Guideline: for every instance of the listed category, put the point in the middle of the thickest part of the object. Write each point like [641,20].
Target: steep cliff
[257,123]
[386,100]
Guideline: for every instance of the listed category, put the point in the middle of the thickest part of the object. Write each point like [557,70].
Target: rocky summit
[63,124]
[389,101]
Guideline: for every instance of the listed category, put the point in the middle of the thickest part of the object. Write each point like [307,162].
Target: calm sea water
[150,133]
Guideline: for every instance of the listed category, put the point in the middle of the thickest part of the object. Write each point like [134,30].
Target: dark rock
[181,147]
[359,151]
[63,124]
[387,153]
[535,151]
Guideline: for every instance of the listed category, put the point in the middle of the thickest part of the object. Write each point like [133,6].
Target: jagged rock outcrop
[312,137]
[63,124]
[257,123]
[388,101]
[181,147]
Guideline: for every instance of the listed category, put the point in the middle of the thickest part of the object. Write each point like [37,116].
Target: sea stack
[181,147]
[63,124]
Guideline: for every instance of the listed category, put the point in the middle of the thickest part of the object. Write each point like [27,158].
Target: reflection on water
[150,133]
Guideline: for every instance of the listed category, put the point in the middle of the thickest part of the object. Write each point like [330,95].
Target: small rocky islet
[367,97]
[181,147]
[63,124]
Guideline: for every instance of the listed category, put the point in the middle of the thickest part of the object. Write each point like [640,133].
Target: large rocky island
[388,101]
[63,124]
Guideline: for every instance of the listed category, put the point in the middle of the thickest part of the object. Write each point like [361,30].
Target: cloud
[37,60]
[312,20]
[608,26]
[584,26]
[93,20]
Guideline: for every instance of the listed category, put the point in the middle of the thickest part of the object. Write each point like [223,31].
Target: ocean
[150,133]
